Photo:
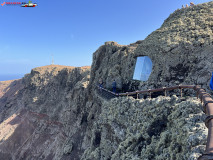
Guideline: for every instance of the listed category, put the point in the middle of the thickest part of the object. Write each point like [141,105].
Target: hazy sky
[72,30]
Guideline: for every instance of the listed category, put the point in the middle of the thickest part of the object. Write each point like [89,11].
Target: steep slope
[180,50]
[26,134]
[8,90]
[40,119]
[113,61]
[4,87]
[56,112]
[162,128]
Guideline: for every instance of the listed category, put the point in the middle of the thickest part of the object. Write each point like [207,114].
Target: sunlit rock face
[113,62]
[55,112]
[26,134]
[9,90]
[180,51]
[55,115]
[44,118]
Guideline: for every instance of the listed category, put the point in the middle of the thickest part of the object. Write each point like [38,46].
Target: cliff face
[180,50]
[55,112]
[4,87]
[39,123]
[113,61]
[9,90]
[55,116]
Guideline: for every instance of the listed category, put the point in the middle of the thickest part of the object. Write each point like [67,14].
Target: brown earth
[19,135]
[38,112]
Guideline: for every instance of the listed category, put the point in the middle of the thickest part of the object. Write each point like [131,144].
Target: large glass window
[143,68]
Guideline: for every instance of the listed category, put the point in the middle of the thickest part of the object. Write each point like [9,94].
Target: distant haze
[10,77]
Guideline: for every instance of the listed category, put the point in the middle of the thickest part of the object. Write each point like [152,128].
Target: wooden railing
[205,98]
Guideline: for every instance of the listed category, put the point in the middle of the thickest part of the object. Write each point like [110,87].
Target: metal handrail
[205,98]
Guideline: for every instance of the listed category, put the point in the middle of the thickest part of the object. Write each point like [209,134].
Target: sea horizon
[7,77]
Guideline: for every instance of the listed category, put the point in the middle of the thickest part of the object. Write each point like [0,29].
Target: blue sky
[72,30]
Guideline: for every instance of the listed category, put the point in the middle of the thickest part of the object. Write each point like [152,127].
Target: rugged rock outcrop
[44,118]
[180,50]
[113,61]
[55,112]
[161,128]
[67,124]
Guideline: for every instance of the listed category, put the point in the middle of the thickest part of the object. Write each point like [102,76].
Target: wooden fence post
[150,94]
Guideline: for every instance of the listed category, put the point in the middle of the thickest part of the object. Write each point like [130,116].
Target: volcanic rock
[56,112]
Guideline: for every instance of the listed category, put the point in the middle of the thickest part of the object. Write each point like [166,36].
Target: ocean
[10,77]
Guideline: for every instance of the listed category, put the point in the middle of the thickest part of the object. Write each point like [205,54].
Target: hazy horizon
[6,77]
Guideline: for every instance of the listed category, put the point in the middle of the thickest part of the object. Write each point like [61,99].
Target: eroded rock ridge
[55,112]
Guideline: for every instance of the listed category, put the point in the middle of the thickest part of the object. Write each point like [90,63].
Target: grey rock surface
[45,119]
[180,50]
[162,128]
[56,113]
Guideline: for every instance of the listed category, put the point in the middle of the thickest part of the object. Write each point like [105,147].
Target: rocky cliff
[41,117]
[160,128]
[55,112]
[180,50]
[54,115]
